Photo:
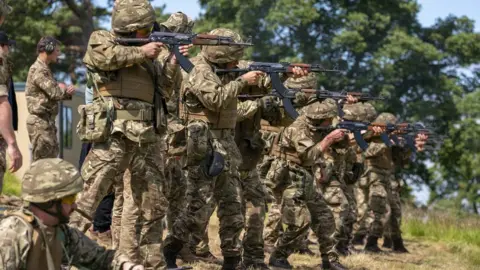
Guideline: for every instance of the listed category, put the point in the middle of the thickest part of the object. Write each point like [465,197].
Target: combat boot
[372,245]
[343,248]
[187,255]
[358,239]
[387,242]
[208,257]
[328,265]
[171,251]
[233,263]
[398,245]
[278,262]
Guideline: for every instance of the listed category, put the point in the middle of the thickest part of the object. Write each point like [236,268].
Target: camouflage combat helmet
[223,54]
[355,112]
[5,9]
[178,22]
[371,112]
[320,110]
[386,118]
[50,179]
[131,15]
[306,82]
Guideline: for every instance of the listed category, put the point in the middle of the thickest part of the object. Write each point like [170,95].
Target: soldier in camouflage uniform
[271,168]
[374,192]
[209,109]
[38,237]
[126,79]
[251,145]
[8,142]
[364,112]
[341,158]
[43,94]
[175,152]
[302,145]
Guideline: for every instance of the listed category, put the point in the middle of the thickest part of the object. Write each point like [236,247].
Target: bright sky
[430,11]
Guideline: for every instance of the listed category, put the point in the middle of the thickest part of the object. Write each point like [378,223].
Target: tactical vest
[134,82]
[44,252]
[284,153]
[225,119]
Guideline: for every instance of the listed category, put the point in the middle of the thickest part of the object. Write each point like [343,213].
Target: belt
[139,115]
[220,133]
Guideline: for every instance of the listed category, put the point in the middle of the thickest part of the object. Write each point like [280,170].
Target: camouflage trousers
[372,195]
[254,206]
[43,137]
[392,228]
[177,178]
[352,214]
[300,198]
[3,161]
[204,192]
[144,202]
[335,195]
[276,181]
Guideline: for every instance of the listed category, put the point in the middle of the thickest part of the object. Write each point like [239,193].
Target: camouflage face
[320,111]
[131,15]
[307,82]
[179,23]
[223,54]
[354,112]
[386,118]
[50,179]
[5,9]
[371,112]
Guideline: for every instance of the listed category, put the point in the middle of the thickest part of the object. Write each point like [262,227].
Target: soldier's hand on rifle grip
[152,49]
[351,99]
[420,141]
[378,130]
[298,72]
[252,77]
[337,135]
[183,50]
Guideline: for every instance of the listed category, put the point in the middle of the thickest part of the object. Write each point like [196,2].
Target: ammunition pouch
[95,122]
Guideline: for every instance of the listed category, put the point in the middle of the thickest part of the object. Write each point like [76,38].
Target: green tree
[386,49]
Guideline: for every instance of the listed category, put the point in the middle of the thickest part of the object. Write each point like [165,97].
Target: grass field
[436,240]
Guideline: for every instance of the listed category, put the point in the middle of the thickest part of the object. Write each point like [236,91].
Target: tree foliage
[427,73]
[387,52]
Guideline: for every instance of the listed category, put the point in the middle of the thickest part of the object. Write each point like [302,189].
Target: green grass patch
[11,185]
[461,233]
[442,226]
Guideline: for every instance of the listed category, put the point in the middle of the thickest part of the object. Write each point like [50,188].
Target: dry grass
[429,250]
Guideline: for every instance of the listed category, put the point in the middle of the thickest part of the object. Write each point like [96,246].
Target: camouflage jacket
[298,136]
[5,71]
[42,91]
[204,88]
[104,56]
[78,250]
[249,114]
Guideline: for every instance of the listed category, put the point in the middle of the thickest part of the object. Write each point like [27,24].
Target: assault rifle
[320,94]
[406,130]
[179,39]
[274,70]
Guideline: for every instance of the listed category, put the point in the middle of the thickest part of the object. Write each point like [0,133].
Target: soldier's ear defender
[50,47]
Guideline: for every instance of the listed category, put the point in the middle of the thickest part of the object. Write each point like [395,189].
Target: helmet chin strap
[62,219]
